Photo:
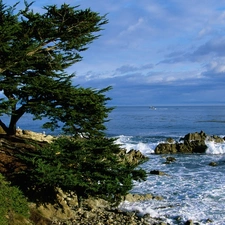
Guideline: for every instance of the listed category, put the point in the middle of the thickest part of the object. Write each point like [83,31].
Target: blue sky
[155,52]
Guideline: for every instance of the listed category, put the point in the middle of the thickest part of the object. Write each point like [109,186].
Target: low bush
[89,167]
[12,203]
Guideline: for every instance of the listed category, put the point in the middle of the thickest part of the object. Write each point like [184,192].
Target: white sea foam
[140,209]
[191,190]
[215,148]
[128,143]
[185,200]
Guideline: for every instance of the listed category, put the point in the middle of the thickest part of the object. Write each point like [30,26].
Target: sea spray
[144,145]
[215,148]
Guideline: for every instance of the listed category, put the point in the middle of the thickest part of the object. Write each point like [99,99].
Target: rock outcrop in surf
[190,143]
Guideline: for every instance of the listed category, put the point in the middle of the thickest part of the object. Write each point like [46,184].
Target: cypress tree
[88,167]
[35,51]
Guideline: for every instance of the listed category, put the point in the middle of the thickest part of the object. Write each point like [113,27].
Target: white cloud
[216,67]
[186,37]
[137,25]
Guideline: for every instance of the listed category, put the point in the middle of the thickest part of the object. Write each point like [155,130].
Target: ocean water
[191,189]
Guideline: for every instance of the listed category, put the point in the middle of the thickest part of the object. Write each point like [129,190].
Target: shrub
[12,203]
[89,167]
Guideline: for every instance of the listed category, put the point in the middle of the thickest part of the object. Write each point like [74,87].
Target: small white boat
[152,108]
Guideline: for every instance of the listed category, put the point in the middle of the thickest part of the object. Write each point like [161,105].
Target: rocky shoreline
[65,211]
[95,211]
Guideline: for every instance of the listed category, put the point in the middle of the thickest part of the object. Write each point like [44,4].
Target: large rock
[195,136]
[34,135]
[141,197]
[202,136]
[133,157]
[190,143]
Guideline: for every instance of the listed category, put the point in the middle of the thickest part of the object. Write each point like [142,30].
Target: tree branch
[31,53]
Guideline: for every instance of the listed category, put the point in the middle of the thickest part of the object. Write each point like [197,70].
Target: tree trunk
[80,201]
[80,195]
[13,121]
[11,129]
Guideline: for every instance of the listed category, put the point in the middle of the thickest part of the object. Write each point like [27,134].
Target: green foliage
[12,202]
[36,49]
[81,111]
[86,166]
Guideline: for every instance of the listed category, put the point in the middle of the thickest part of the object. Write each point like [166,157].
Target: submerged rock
[189,222]
[213,164]
[157,172]
[170,160]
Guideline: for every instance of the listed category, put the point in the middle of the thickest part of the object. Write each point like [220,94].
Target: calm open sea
[193,189]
